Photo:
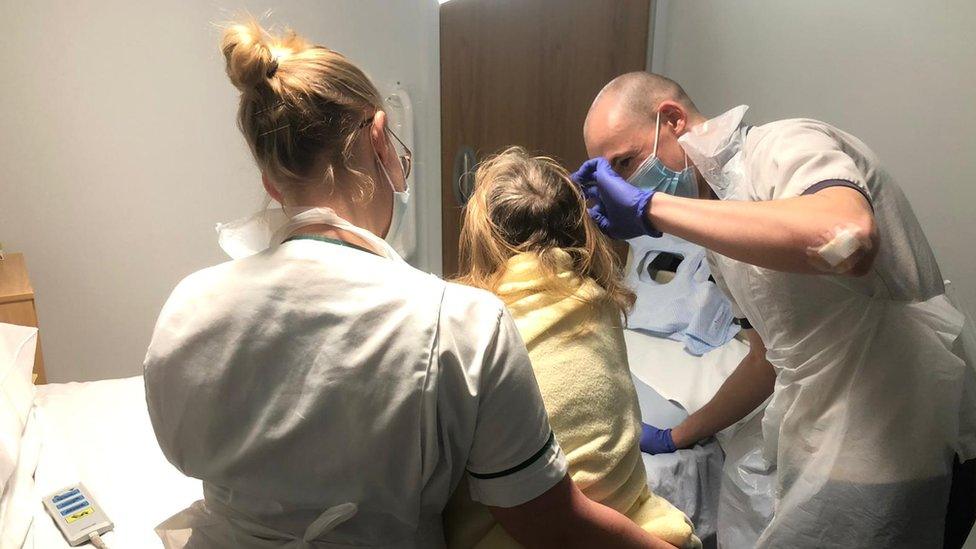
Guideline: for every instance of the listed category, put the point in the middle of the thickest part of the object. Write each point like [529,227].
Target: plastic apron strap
[329,520]
[241,525]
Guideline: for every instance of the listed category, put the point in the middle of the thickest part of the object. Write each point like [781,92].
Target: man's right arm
[563,517]
[749,385]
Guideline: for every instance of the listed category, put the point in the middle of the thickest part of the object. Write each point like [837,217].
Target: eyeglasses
[405,157]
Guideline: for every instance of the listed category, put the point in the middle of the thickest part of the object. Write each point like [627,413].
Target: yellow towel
[580,360]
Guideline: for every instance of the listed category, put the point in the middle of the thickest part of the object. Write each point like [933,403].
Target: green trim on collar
[328,240]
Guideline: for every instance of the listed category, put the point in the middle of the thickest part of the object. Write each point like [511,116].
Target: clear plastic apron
[875,388]
[873,398]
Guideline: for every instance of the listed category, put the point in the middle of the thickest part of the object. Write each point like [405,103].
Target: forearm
[749,385]
[565,517]
[775,234]
[608,528]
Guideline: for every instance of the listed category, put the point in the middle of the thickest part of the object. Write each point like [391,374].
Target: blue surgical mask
[654,175]
[401,200]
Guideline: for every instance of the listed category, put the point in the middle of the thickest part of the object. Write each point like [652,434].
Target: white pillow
[19,501]
[17,347]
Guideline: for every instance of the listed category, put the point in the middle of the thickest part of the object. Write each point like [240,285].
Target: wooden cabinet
[17,302]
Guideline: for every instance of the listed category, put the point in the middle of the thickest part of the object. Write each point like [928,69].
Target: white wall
[899,74]
[119,151]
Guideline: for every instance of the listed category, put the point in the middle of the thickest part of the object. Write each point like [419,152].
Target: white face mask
[401,199]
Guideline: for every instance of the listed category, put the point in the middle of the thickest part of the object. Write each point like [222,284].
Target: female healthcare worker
[872,395]
[327,393]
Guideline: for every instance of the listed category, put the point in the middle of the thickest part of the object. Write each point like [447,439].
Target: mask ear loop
[657,133]
[376,154]
[379,162]
[386,173]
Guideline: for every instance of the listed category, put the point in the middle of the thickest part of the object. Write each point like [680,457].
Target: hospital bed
[99,433]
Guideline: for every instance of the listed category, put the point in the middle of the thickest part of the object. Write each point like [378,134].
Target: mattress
[99,433]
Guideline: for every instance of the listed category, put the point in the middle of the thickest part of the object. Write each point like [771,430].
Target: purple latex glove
[656,441]
[619,208]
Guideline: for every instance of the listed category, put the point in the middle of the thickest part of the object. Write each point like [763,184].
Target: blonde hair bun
[253,54]
[302,106]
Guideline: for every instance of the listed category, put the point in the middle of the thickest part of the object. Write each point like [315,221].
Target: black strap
[520,466]
[827,183]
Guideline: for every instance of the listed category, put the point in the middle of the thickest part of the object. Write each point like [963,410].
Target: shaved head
[638,94]
[621,123]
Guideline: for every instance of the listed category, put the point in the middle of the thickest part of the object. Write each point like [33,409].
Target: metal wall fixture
[463,174]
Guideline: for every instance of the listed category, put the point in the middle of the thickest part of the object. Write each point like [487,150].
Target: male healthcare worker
[855,339]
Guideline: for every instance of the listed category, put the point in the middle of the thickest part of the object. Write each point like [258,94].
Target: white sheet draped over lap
[688,380]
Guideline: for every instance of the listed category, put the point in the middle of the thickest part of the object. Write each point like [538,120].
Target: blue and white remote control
[76,514]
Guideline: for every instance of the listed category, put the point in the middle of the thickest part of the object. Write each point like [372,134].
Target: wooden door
[524,72]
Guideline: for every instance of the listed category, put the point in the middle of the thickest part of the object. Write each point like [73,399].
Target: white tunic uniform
[873,393]
[329,397]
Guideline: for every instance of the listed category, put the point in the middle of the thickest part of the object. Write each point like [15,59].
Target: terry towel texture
[580,360]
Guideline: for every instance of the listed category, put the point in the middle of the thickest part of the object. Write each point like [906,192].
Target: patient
[526,237]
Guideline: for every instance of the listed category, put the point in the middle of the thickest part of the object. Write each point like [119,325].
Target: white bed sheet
[690,479]
[666,367]
[99,433]
[671,383]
